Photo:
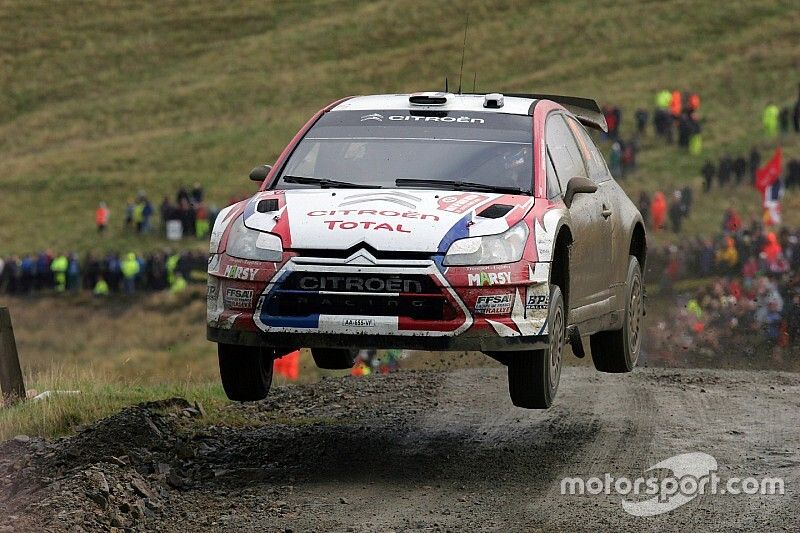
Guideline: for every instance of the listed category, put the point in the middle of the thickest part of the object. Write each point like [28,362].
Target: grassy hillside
[101,99]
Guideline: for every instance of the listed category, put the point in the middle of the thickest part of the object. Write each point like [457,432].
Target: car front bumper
[421,305]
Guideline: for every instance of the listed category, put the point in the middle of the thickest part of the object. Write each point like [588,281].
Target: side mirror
[577,185]
[260,172]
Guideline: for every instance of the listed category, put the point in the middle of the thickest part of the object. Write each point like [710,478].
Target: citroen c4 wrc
[432,221]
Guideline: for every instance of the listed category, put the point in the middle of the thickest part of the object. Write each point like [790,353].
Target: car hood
[401,220]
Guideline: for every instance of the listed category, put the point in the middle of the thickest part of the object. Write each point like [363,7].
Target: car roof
[455,102]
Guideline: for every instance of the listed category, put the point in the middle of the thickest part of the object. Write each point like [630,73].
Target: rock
[99,498]
[141,487]
[115,460]
[22,438]
[185,451]
[175,481]
[137,509]
[153,505]
[199,407]
[97,480]
[116,520]
[154,428]
[343,500]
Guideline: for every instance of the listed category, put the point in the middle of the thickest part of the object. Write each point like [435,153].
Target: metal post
[11,383]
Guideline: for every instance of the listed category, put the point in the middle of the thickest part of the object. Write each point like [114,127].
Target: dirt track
[417,451]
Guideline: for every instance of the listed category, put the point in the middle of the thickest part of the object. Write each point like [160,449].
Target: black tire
[246,371]
[617,351]
[533,376]
[333,358]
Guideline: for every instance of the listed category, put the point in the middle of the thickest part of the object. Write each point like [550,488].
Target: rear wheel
[333,358]
[533,376]
[617,351]
[246,371]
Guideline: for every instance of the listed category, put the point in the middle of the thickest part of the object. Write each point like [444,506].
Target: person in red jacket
[772,250]
[658,210]
[101,217]
[676,104]
[731,221]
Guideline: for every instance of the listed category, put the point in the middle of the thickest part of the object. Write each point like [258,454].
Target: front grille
[302,303]
[362,294]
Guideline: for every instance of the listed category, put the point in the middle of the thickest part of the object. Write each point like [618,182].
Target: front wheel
[533,376]
[617,351]
[246,371]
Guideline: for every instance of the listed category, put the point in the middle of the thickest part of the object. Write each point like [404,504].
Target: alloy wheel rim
[635,316]
[556,346]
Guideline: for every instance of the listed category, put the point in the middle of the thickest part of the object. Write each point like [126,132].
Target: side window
[598,171]
[566,156]
[553,188]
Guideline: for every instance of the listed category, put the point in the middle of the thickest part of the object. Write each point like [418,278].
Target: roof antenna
[463,50]
[474,80]
[445,85]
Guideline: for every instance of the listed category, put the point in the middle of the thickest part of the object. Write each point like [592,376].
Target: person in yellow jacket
[770,120]
[663,99]
[130,269]
[59,268]
[693,306]
[172,266]
[728,257]
[101,288]
[179,285]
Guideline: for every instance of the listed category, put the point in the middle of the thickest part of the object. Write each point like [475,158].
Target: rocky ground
[417,450]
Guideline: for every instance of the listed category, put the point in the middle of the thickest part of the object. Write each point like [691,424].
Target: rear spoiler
[585,110]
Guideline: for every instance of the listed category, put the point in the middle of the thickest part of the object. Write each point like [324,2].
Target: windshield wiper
[458,185]
[327,183]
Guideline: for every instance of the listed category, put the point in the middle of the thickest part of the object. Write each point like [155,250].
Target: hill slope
[100,100]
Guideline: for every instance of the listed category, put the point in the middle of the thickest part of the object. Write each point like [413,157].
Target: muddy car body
[432,221]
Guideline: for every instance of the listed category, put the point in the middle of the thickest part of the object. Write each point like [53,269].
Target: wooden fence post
[11,383]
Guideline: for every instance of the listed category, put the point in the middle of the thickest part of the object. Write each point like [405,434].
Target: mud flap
[576,341]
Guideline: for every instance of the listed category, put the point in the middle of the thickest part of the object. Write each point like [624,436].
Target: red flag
[769,173]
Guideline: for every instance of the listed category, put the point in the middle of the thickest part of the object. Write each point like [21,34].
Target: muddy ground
[417,450]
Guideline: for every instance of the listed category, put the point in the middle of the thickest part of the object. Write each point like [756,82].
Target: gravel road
[416,450]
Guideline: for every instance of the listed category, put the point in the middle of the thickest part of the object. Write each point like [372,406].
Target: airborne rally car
[432,221]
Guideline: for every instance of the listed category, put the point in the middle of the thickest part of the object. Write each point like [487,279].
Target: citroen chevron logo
[361,257]
[394,197]
[372,116]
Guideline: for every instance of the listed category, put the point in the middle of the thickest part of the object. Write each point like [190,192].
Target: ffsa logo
[372,116]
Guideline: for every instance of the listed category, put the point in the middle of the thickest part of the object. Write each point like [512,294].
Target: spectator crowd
[751,299]
[188,211]
[103,275]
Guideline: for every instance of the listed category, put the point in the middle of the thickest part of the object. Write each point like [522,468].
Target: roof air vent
[493,101]
[428,98]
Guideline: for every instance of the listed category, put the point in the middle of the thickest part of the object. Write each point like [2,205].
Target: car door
[610,210]
[588,261]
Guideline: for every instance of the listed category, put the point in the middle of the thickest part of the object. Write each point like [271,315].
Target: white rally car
[432,221]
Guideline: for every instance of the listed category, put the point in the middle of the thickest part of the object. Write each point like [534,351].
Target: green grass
[101,99]
[117,352]
[61,413]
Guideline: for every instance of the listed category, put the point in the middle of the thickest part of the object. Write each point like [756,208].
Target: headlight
[245,243]
[506,247]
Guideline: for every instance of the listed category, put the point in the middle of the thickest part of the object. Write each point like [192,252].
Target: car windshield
[376,148]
